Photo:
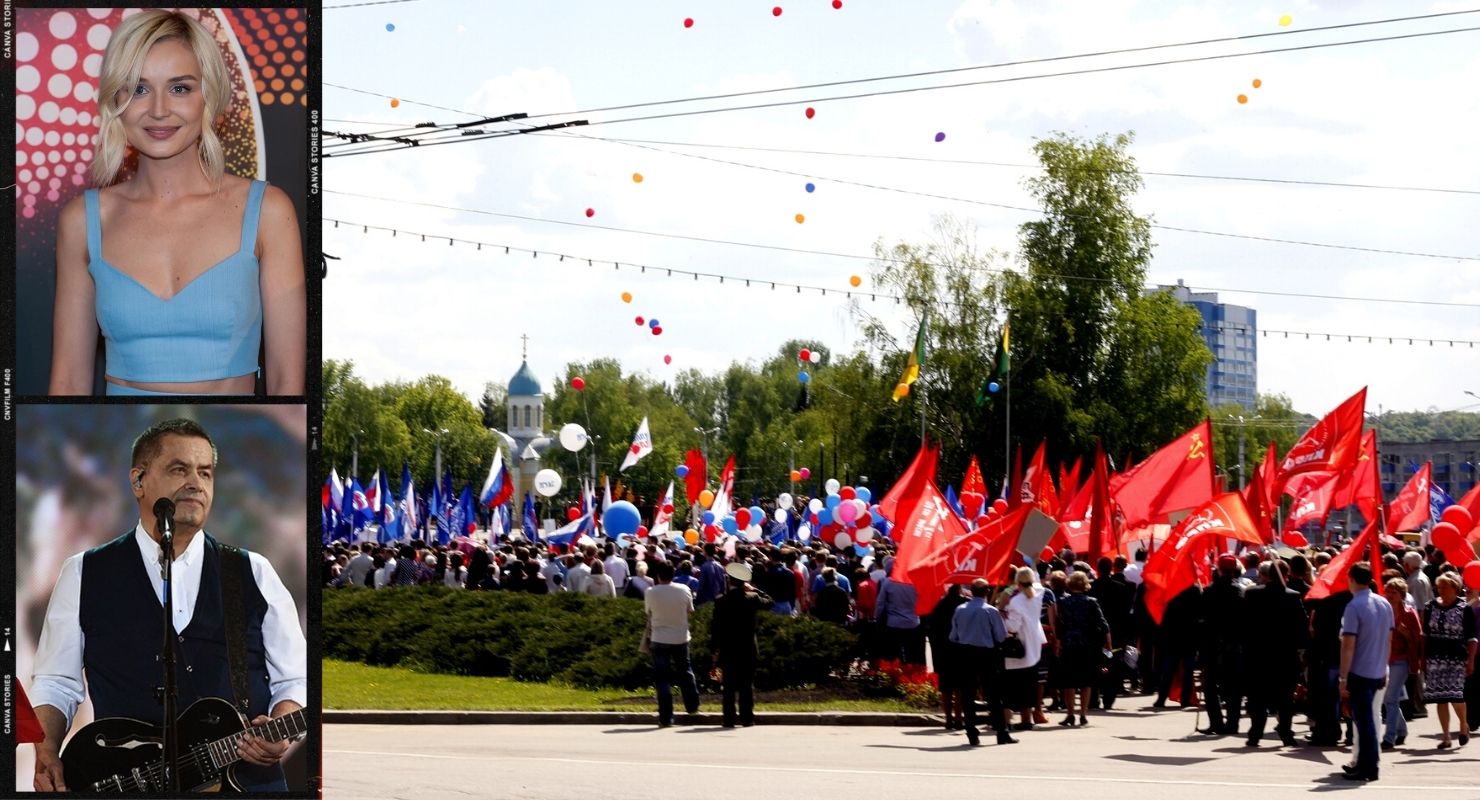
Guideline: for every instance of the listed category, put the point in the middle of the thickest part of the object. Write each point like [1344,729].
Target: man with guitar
[237,640]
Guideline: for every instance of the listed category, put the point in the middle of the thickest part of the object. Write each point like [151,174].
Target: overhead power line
[371,3]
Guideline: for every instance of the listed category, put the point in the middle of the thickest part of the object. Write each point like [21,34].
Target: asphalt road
[1129,753]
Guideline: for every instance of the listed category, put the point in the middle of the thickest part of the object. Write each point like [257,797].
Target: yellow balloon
[637,177]
[706,497]
[801,218]
[1286,20]
[626,297]
[691,536]
[901,390]
[855,280]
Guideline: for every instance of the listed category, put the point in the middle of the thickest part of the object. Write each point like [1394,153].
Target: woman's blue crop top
[210,329]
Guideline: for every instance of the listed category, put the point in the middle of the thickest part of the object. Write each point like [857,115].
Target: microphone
[164,511]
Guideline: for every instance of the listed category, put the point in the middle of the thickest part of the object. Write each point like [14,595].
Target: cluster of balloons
[812,356]
[800,474]
[1455,535]
[844,517]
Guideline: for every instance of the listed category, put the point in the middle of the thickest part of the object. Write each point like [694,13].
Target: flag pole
[1007,439]
[922,415]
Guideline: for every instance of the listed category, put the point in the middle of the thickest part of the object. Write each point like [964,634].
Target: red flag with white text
[1173,567]
[1332,444]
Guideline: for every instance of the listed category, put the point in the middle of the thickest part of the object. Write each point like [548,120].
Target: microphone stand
[164,512]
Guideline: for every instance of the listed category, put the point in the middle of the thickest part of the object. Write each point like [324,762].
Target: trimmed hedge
[583,641]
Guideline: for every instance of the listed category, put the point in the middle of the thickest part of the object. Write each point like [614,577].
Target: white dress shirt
[57,679]
[616,568]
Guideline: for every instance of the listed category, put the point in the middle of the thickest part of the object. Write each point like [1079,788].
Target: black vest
[121,626]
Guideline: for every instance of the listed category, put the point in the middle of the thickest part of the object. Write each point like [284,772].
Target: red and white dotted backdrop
[59,54]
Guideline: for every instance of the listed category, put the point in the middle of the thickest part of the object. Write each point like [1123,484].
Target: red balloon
[776,12]
[971,503]
[1456,548]
[711,532]
[837,3]
[1459,516]
[1000,505]
[658,330]
[742,518]
[642,531]
[640,321]
[689,21]
[805,354]
[811,112]
[982,520]
[1472,575]
[667,359]
[578,383]
[590,212]
[572,514]
[667,508]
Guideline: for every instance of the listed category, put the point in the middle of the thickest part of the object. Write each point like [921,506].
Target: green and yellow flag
[912,367]
[1001,366]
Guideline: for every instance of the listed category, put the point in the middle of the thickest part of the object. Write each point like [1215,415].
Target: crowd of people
[1058,636]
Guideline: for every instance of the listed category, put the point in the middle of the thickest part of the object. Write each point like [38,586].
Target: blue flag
[389,522]
[1438,501]
[954,502]
[530,522]
[463,513]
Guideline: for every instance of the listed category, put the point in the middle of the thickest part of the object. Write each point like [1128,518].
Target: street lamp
[438,475]
[354,457]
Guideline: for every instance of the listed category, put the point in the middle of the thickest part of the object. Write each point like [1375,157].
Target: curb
[363,717]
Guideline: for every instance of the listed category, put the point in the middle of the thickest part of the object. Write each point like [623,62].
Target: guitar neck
[289,726]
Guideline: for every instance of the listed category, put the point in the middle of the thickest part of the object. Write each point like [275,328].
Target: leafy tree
[432,405]
[1274,419]
[355,412]
[495,395]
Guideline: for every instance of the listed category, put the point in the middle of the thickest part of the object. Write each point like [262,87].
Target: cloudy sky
[1390,113]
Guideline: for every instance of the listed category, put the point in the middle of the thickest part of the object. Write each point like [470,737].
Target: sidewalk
[840,718]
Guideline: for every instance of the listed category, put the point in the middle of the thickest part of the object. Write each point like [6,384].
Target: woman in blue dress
[187,271]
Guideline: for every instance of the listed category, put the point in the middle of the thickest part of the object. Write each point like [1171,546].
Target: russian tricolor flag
[498,488]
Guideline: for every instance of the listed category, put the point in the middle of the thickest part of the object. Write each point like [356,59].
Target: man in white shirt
[577,573]
[105,617]
[616,567]
[668,606]
[1133,572]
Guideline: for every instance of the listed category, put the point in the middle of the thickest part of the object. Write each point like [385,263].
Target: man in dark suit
[1116,597]
[1275,631]
[1222,649]
[732,635]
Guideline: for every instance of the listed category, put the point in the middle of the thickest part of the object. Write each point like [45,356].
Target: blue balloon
[861,549]
[390,26]
[863,493]
[811,188]
[653,323]
[681,471]
[678,540]
[832,501]
[876,515]
[803,376]
[708,518]
[993,387]
[824,517]
[622,519]
[730,525]
[757,516]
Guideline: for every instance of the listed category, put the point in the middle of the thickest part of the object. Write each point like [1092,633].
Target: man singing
[105,612]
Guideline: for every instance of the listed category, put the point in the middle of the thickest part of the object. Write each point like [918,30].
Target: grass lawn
[356,686]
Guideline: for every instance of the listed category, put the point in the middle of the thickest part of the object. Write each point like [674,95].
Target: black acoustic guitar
[119,754]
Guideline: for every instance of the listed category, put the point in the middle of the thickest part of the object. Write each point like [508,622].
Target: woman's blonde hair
[123,61]
[1024,581]
[1078,582]
[1451,578]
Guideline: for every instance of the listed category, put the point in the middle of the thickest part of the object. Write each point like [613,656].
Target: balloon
[756,515]
[842,540]
[667,359]
[779,515]
[578,383]
[832,485]
[825,517]
[390,26]
[804,532]
[1258,83]
[1472,575]
[710,533]
[816,357]
[688,22]
[637,177]
[395,103]
[837,3]
[940,137]
[805,354]
[876,515]
[855,281]
[806,473]
[742,518]
[547,482]
[572,436]
[847,512]
[572,514]
[1447,537]
[861,506]
[902,390]
[681,471]
[776,12]
[1243,98]
[621,519]
[801,218]
[752,534]
[657,331]
[707,518]
[731,525]
[730,547]
[814,505]
[639,320]
[971,503]
[590,212]
[785,500]
[832,501]
[864,535]
[642,531]
[811,112]
[636,449]
[626,297]
[982,520]
[847,493]
[706,498]
[811,187]
[1458,516]
[1000,505]
[1285,20]
[993,387]
[803,376]
[691,536]
[652,323]
[796,475]
[667,508]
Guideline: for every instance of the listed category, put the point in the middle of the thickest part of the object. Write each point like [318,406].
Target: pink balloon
[806,473]
[847,512]
[667,359]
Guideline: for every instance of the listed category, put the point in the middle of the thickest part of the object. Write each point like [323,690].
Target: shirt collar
[150,548]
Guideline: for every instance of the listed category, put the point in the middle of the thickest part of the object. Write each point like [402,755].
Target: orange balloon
[637,177]
[855,281]
[691,536]
[626,297]
[706,498]
[1258,83]
[796,475]
[1243,98]
[395,103]
[801,218]
[902,390]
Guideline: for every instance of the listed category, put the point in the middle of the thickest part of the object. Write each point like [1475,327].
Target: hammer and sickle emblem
[1197,449]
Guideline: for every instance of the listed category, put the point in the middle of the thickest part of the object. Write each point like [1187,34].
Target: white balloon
[815,505]
[547,482]
[843,540]
[752,534]
[779,515]
[861,506]
[572,437]
[832,485]
[729,548]
[864,535]
[815,356]
[804,532]
[785,500]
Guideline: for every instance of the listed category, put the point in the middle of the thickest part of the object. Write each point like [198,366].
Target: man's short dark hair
[663,571]
[151,441]
[1360,573]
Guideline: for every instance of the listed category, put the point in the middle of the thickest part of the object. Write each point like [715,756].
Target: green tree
[491,405]
[432,405]
[355,413]
[1274,419]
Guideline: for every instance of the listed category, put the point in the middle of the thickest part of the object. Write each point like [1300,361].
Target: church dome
[524,383]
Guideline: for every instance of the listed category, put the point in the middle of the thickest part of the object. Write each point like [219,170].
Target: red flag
[1176,477]
[973,481]
[1359,486]
[1069,479]
[1410,509]
[923,466]
[1037,484]
[1471,500]
[1104,540]
[1312,492]
[983,553]
[1172,568]
[27,726]
[693,482]
[931,526]
[1256,495]
[1332,444]
[1013,492]
[1333,578]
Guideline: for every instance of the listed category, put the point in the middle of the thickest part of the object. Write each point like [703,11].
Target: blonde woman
[1023,619]
[186,270]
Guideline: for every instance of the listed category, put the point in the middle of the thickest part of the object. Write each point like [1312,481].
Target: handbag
[1013,647]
